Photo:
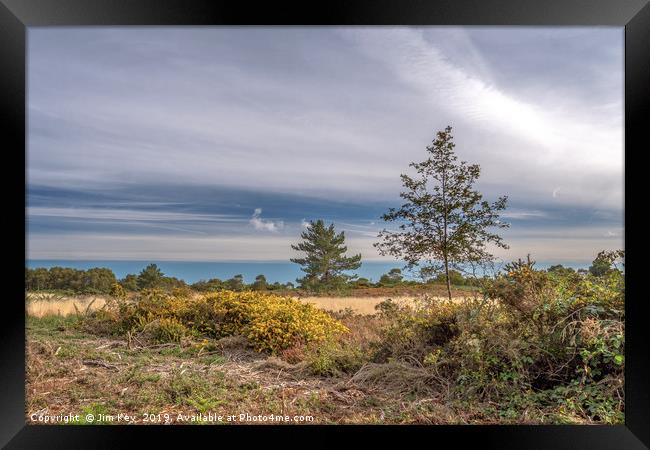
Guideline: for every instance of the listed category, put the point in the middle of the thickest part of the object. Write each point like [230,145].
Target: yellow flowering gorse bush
[270,322]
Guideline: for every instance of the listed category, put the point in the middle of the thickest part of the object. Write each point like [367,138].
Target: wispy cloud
[127,215]
[559,139]
[523,215]
[423,65]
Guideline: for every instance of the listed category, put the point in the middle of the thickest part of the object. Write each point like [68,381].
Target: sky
[221,143]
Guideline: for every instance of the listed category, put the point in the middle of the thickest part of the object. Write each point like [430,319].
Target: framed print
[356,218]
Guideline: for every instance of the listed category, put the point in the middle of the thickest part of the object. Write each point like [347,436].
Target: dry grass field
[359,305]
[40,305]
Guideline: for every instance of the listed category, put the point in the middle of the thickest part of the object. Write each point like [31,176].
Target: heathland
[524,346]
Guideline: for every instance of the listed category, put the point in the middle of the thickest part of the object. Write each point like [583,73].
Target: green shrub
[167,329]
[412,332]
[557,337]
[335,358]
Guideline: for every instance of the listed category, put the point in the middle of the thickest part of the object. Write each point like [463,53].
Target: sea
[191,271]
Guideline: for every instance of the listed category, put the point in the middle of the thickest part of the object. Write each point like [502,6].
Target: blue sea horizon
[193,271]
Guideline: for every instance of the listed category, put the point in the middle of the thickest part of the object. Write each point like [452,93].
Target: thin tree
[444,222]
[324,262]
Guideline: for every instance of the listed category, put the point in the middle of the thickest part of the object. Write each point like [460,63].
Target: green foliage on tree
[604,261]
[260,283]
[92,281]
[444,222]
[130,282]
[455,278]
[235,283]
[392,278]
[170,283]
[36,279]
[211,285]
[150,277]
[361,283]
[324,262]
[560,270]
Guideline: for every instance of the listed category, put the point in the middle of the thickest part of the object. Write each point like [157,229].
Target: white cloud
[265,225]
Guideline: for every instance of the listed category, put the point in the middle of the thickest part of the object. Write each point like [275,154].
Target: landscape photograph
[371,225]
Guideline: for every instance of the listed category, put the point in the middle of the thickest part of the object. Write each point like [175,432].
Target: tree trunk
[444,229]
[447,278]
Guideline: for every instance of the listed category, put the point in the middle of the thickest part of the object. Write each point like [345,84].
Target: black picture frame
[634,15]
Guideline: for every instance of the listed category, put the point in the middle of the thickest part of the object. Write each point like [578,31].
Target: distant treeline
[91,281]
[97,280]
[103,281]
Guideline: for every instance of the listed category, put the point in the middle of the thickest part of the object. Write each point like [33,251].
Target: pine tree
[444,222]
[150,277]
[324,262]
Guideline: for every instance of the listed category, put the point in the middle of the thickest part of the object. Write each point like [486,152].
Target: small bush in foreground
[335,358]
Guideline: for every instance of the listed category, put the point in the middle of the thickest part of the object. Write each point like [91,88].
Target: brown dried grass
[49,304]
[362,305]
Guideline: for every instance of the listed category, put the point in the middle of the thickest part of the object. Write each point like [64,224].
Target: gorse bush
[167,329]
[270,322]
